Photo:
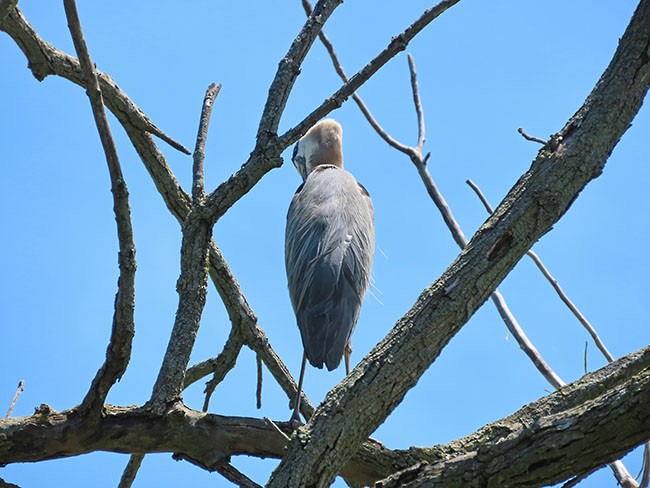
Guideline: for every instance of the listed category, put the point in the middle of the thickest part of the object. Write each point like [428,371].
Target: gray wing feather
[328,252]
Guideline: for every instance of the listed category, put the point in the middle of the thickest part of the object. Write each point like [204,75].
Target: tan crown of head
[322,144]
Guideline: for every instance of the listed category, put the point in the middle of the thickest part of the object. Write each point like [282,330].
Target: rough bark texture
[584,425]
[192,290]
[574,156]
[595,419]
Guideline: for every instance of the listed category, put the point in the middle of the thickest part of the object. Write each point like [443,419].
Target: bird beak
[299,162]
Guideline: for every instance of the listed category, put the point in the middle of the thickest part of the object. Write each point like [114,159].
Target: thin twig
[355,96]
[19,390]
[531,138]
[418,104]
[198,177]
[276,428]
[235,476]
[260,377]
[131,470]
[549,277]
[220,366]
[192,291]
[645,465]
[119,348]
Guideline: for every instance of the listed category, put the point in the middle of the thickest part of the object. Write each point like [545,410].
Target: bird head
[322,144]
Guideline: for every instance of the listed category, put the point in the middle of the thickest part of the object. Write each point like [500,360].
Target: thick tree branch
[545,443]
[208,439]
[192,291]
[118,353]
[6,7]
[575,156]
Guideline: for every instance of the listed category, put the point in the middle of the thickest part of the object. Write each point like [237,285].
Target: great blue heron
[329,246]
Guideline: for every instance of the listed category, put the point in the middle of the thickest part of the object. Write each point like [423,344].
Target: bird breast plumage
[329,251]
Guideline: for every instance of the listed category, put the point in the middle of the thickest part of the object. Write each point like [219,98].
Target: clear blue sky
[485,69]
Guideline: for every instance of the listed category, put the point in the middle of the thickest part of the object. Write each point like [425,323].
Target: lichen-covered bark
[575,156]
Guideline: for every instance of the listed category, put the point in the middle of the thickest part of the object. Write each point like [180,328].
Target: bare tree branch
[266,155]
[208,439]
[192,291]
[645,479]
[418,105]
[4,484]
[537,443]
[118,353]
[397,44]
[46,60]
[549,277]
[233,475]
[19,390]
[531,138]
[198,180]
[353,409]
[131,471]
[221,365]
[288,71]
[6,6]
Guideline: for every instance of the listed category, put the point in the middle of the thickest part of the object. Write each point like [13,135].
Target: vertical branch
[198,179]
[192,284]
[19,390]
[192,291]
[418,105]
[119,348]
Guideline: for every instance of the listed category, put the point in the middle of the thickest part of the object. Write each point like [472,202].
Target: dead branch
[208,439]
[19,390]
[556,286]
[528,137]
[198,179]
[118,353]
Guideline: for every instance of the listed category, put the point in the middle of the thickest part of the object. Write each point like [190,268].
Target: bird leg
[347,352]
[295,417]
